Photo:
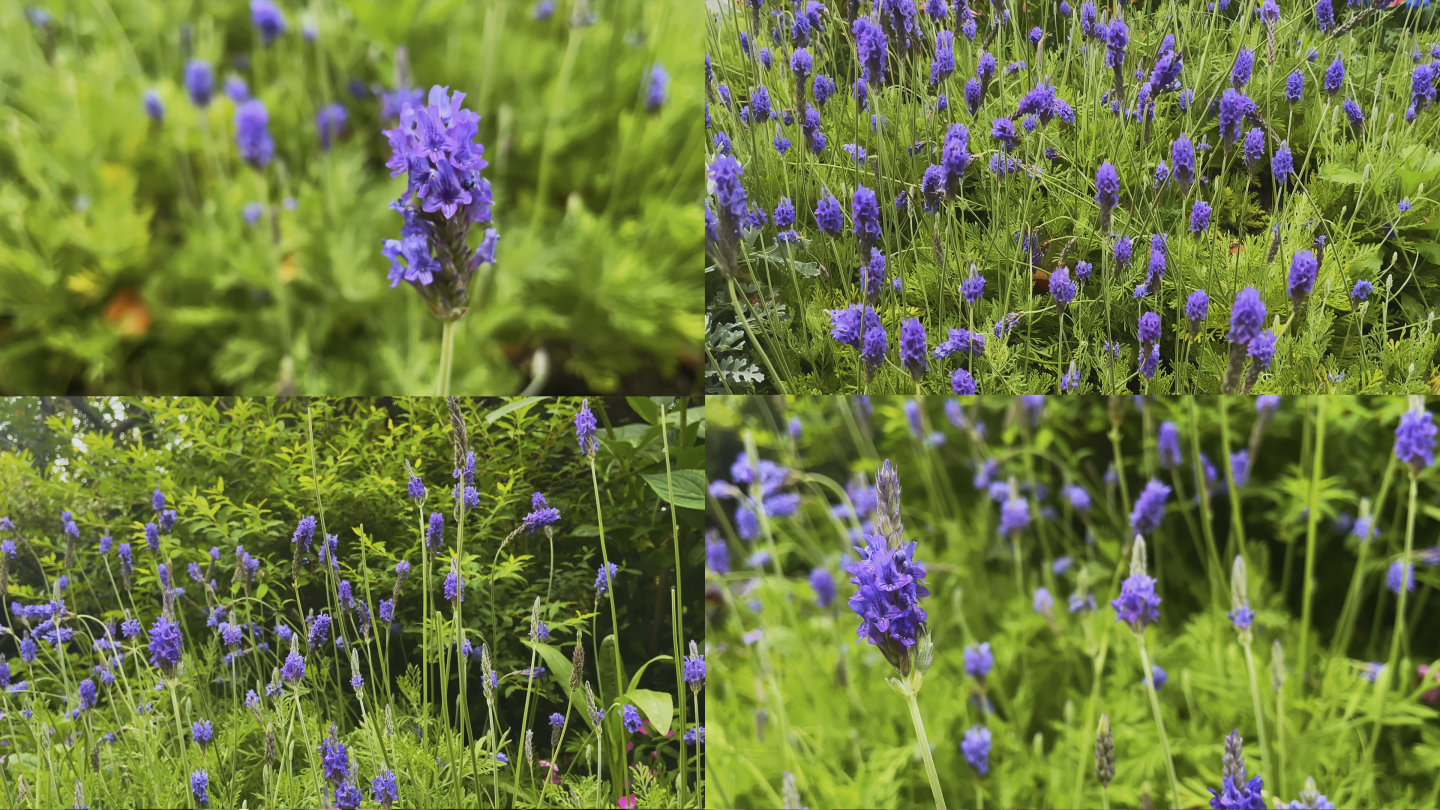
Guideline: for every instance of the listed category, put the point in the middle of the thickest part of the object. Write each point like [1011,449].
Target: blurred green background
[127,264]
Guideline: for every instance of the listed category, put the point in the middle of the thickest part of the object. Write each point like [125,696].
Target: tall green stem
[1310,532]
[678,599]
[925,750]
[1259,719]
[614,623]
[1390,661]
[1159,721]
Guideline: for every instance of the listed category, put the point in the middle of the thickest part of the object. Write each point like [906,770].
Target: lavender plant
[321,673]
[1028,708]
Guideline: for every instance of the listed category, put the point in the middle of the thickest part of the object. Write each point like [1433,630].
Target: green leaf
[1337,174]
[647,408]
[520,404]
[655,705]
[561,669]
[689,487]
[635,681]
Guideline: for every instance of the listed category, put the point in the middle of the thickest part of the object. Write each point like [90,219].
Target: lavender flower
[268,20]
[1415,440]
[334,759]
[202,732]
[865,217]
[603,580]
[1324,15]
[445,195]
[454,584]
[1061,287]
[330,122]
[962,383]
[164,646]
[912,348]
[294,668]
[1244,63]
[1234,107]
[319,630]
[384,790]
[1283,164]
[976,748]
[199,785]
[1303,269]
[1149,508]
[200,82]
[870,46]
[585,428]
[1107,193]
[1235,791]
[1168,443]
[1362,290]
[252,133]
[979,660]
[1247,316]
[1200,217]
[1137,605]
[154,107]
[1182,155]
[1295,82]
[887,601]
[542,514]
[658,87]
[1335,76]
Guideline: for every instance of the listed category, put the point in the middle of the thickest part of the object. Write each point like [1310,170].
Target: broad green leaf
[635,681]
[688,487]
[655,705]
[647,408]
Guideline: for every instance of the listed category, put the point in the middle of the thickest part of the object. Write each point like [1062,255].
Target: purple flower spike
[1415,439]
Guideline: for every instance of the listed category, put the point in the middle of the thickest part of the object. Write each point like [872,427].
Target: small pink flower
[628,802]
[1432,695]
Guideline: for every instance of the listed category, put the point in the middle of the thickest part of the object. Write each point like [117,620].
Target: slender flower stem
[1159,721]
[1310,532]
[1391,660]
[1104,797]
[979,795]
[1259,720]
[925,750]
[447,353]
[614,623]
[679,605]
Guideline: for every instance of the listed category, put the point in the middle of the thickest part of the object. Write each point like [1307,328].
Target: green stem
[567,65]
[614,622]
[679,606]
[1159,721]
[925,750]
[1390,661]
[447,352]
[1259,718]
[744,322]
[1310,533]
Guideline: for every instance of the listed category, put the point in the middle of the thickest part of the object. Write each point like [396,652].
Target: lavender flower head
[543,514]
[1247,316]
[657,88]
[1415,438]
[1061,287]
[1295,82]
[164,646]
[268,20]
[252,133]
[604,579]
[1137,605]
[1283,164]
[1014,514]
[334,759]
[199,785]
[1244,64]
[384,790]
[912,348]
[585,428]
[1236,793]
[445,195]
[890,584]
[870,46]
[454,584]
[1168,444]
[200,82]
[1234,106]
[1335,76]
[1400,572]
[979,660]
[1149,508]
[330,123]
[1107,192]
[1182,155]
[976,748]
[1303,269]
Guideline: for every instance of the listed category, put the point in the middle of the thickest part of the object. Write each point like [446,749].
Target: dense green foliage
[1365,192]
[795,692]
[127,265]
[243,472]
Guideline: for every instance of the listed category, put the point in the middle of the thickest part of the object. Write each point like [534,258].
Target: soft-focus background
[126,261]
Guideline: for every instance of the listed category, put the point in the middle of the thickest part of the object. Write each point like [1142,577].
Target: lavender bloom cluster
[434,146]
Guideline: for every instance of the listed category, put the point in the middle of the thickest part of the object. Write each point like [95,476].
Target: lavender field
[946,196]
